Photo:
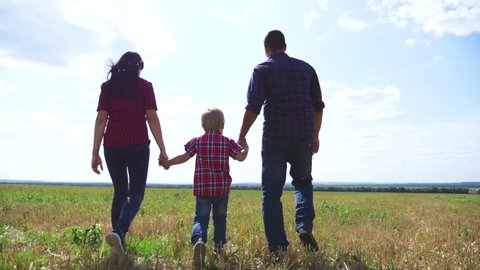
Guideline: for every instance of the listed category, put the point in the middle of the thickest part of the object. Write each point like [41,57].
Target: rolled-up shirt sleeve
[191,147]
[316,93]
[256,91]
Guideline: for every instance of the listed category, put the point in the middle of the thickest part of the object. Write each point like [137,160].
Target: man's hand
[315,146]
[243,142]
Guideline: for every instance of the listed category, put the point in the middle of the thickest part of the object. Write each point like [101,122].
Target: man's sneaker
[308,240]
[199,255]
[114,240]
[218,249]
[278,253]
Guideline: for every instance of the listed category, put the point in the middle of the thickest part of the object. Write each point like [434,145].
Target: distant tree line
[393,189]
[475,189]
[454,190]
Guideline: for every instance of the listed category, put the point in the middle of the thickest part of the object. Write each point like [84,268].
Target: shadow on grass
[318,260]
[234,261]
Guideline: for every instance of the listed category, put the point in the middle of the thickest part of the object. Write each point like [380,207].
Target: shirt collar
[213,131]
[278,55]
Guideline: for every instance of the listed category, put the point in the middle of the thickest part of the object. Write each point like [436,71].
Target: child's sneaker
[199,255]
[115,241]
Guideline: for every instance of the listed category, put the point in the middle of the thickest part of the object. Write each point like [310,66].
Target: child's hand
[164,163]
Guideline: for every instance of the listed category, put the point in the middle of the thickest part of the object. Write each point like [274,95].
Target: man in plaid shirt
[212,180]
[289,92]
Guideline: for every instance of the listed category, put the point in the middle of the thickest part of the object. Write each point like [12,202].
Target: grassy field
[63,227]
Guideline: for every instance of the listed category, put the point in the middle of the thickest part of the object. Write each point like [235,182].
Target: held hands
[245,146]
[244,152]
[164,162]
[243,142]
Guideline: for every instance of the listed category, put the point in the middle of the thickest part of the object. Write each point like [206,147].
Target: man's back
[290,91]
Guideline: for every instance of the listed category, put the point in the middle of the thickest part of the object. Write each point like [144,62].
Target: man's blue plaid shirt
[290,92]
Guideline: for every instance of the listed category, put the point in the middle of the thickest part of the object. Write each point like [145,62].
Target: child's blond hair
[213,119]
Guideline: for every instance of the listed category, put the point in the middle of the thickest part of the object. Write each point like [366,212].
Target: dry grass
[354,230]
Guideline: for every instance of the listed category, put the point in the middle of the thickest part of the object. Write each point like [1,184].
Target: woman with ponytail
[126,104]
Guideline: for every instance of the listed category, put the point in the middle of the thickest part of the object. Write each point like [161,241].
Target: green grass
[63,227]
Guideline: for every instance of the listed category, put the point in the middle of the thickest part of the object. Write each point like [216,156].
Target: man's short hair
[275,40]
[213,119]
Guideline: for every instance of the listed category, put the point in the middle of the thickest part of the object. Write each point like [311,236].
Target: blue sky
[399,78]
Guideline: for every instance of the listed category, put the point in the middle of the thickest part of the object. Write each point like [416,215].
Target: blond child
[212,180]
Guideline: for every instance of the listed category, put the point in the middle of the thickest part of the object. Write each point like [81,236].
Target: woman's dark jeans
[128,168]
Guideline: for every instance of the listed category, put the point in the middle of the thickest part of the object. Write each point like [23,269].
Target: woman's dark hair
[124,76]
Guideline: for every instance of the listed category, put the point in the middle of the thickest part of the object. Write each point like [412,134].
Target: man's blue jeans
[128,168]
[218,206]
[276,154]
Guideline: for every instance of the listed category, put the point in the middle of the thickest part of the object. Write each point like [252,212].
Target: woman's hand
[96,162]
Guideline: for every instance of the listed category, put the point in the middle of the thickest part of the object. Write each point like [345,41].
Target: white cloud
[37,33]
[460,18]
[12,63]
[433,151]
[322,4]
[222,15]
[123,26]
[6,88]
[249,11]
[366,103]
[322,37]
[437,58]
[445,143]
[410,42]
[231,14]
[351,24]
[310,17]
[45,137]
[414,42]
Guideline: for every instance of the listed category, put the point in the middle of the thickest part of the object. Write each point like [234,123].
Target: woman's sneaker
[115,241]
[199,255]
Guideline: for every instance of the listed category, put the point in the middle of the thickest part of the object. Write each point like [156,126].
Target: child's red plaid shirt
[212,171]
